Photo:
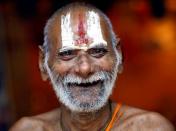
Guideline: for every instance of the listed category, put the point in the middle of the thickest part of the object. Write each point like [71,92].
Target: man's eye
[97,52]
[67,55]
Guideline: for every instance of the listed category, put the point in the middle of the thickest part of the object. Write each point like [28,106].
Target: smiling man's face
[81,62]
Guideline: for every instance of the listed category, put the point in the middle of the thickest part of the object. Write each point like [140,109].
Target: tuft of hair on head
[70,8]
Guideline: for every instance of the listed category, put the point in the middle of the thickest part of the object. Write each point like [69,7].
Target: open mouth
[86,85]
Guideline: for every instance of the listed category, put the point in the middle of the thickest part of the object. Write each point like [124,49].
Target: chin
[84,95]
[85,99]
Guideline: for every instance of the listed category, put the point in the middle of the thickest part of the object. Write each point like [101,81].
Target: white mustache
[98,76]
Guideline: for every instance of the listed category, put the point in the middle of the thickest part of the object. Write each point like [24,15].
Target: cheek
[61,68]
[106,63]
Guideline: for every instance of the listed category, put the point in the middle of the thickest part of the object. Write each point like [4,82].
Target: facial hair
[91,99]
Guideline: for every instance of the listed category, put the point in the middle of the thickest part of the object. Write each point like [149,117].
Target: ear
[120,53]
[42,68]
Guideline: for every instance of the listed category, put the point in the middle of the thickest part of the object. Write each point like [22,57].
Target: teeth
[98,76]
[80,80]
[84,84]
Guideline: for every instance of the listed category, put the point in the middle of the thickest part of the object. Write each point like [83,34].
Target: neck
[85,120]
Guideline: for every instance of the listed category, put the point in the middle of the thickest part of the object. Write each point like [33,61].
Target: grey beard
[65,95]
[60,85]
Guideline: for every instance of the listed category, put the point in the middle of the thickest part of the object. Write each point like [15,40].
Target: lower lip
[84,87]
[86,94]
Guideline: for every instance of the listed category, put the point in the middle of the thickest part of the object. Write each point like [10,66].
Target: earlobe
[42,68]
[119,50]
[120,68]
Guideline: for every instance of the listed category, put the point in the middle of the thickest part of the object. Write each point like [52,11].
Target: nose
[83,67]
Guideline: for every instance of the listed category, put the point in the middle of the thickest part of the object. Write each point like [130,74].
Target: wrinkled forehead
[81,30]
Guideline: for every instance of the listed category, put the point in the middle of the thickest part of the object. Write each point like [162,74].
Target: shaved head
[81,56]
[75,10]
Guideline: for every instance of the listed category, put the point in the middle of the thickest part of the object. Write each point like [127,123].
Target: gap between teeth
[79,83]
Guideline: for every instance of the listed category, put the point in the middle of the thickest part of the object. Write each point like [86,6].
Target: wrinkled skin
[133,120]
[85,64]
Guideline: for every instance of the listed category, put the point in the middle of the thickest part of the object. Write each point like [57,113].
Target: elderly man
[82,57]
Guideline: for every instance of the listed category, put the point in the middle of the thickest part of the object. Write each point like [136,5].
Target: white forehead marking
[93,31]
[66,31]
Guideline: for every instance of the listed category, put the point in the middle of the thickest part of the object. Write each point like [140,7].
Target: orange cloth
[114,116]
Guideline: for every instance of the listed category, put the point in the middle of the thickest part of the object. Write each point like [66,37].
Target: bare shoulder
[134,119]
[43,122]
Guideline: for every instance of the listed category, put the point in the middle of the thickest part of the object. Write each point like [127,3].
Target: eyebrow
[100,45]
[66,49]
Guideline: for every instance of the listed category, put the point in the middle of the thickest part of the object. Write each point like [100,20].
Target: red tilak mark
[81,29]
[81,32]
